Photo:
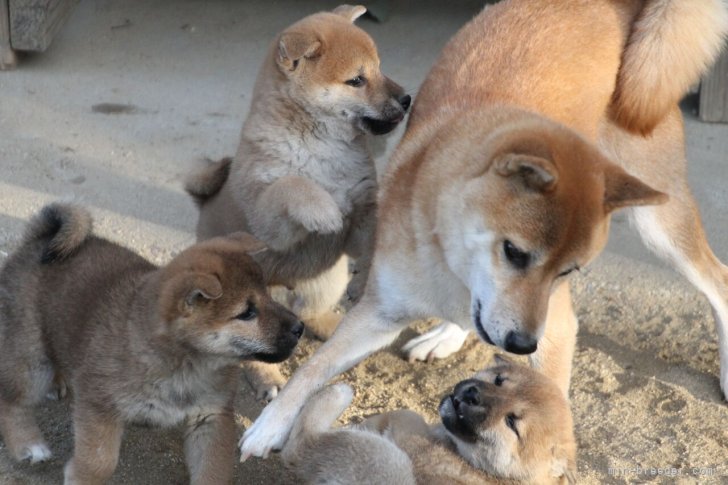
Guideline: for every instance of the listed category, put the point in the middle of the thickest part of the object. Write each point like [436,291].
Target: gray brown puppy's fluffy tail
[208,181]
[63,228]
[672,43]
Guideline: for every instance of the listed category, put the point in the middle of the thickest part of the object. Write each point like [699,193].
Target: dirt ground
[134,93]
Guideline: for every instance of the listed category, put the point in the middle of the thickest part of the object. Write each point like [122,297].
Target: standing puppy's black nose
[405,101]
[297,330]
[519,343]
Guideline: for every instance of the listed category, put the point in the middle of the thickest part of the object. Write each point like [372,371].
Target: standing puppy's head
[514,423]
[214,300]
[332,68]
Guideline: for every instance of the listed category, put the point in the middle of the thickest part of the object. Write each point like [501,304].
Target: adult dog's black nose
[405,101]
[519,343]
[297,329]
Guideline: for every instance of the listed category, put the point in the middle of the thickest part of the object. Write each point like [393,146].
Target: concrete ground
[133,94]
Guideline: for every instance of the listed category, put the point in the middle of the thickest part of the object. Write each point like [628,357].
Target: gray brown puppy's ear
[534,173]
[248,243]
[186,291]
[350,12]
[295,46]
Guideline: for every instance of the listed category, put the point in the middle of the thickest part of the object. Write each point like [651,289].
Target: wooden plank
[714,92]
[7,55]
[34,23]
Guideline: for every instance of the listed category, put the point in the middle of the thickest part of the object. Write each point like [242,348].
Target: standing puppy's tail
[64,227]
[672,43]
[207,182]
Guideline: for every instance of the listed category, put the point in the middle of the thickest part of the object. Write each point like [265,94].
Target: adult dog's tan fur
[510,424]
[133,342]
[527,133]
[303,180]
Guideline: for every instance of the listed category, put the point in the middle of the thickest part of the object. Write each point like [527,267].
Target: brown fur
[513,143]
[303,180]
[489,452]
[134,343]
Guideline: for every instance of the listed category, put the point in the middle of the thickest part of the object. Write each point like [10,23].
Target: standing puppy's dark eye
[519,259]
[250,313]
[356,82]
[511,423]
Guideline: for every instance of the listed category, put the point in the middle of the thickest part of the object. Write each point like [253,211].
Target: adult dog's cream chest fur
[191,391]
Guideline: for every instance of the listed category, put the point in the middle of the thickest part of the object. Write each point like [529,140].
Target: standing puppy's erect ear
[350,12]
[295,46]
[181,294]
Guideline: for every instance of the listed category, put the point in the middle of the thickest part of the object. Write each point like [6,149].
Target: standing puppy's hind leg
[674,232]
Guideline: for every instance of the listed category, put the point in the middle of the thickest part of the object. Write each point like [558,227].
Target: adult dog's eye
[566,272]
[519,259]
[356,82]
[499,379]
[511,423]
[250,313]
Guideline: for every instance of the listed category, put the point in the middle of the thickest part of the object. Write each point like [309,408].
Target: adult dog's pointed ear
[247,242]
[294,47]
[350,12]
[532,172]
[623,190]
[186,291]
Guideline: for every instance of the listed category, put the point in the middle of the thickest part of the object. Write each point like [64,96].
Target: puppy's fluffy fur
[509,424]
[133,342]
[303,180]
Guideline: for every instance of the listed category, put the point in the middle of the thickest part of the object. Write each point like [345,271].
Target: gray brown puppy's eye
[511,423]
[250,313]
[356,82]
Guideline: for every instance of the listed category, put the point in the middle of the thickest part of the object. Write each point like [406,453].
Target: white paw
[341,393]
[268,432]
[443,340]
[35,453]
[267,394]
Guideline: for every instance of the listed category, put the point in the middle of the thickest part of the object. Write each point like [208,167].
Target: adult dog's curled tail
[63,228]
[671,45]
[208,181]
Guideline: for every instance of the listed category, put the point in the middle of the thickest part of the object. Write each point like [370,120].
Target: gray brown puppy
[303,180]
[510,424]
[134,342]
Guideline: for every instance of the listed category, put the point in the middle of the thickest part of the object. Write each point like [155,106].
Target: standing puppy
[133,342]
[303,180]
[539,120]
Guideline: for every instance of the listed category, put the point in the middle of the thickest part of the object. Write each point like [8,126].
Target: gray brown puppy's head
[214,299]
[512,422]
[333,67]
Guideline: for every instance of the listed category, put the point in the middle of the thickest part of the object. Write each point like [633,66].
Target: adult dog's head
[512,422]
[331,68]
[525,202]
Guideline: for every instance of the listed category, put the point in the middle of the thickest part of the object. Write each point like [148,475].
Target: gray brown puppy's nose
[519,343]
[405,101]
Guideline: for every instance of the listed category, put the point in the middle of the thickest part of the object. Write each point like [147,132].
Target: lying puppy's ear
[249,243]
[296,46]
[184,292]
[350,12]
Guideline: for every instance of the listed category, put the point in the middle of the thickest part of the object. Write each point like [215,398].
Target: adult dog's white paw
[268,432]
[441,341]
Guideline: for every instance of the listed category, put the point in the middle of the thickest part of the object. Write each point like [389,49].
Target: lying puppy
[509,422]
[303,180]
[528,133]
[134,342]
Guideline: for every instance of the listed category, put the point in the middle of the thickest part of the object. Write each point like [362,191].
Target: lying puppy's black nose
[297,329]
[519,343]
[405,101]
[471,396]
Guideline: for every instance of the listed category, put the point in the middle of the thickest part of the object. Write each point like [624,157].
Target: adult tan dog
[134,343]
[510,423]
[517,152]
[303,180]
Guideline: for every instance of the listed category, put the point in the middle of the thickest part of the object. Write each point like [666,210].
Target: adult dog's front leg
[292,207]
[363,331]
[210,447]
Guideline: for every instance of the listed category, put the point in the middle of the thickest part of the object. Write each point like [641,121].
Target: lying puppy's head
[214,299]
[332,67]
[512,422]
